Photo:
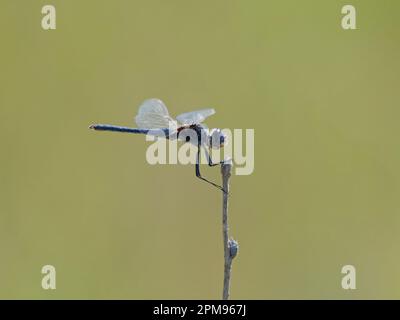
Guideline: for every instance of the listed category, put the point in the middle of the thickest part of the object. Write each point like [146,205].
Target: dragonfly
[153,119]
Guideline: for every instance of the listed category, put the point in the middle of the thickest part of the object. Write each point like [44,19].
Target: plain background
[324,103]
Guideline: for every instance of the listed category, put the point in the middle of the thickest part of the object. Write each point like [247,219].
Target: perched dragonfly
[153,119]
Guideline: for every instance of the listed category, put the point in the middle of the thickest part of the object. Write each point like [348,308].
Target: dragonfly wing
[153,114]
[195,117]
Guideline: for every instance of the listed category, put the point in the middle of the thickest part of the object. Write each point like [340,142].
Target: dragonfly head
[217,139]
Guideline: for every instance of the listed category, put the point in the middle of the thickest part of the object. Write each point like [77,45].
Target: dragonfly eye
[222,140]
[217,139]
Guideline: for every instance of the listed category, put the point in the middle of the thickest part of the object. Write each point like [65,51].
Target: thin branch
[230,246]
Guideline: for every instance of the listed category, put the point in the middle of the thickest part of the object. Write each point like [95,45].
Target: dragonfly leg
[210,162]
[198,174]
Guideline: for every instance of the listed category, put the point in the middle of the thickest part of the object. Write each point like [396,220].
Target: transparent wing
[153,114]
[195,117]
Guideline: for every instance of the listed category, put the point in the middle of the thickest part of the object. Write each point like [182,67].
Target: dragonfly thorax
[198,134]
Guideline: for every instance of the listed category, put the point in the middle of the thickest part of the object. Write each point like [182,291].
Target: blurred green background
[324,103]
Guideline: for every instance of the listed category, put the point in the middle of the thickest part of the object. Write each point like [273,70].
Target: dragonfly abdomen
[108,127]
